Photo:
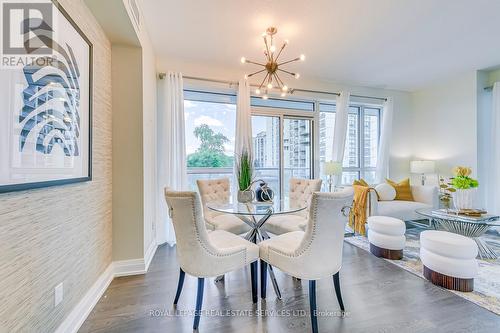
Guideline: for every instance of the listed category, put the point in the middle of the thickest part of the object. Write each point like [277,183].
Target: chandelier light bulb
[243,60]
[270,85]
[257,91]
[302,57]
[246,76]
[284,88]
[264,34]
[264,97]
[272,48]
[286,41]
[297,75]
[283,94]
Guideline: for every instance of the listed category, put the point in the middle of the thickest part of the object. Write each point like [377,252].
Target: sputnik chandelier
[271,66]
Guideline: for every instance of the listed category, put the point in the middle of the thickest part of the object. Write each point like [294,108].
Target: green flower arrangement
[462,180]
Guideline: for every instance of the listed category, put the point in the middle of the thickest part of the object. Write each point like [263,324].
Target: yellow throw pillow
[361,182]
[403,189]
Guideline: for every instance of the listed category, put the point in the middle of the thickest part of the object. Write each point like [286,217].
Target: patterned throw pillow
[403,189]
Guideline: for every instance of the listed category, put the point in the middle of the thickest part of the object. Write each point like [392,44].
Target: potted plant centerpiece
[465,186]
[244,175]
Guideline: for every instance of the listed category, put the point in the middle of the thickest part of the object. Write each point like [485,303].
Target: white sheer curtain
[171,147]
[340,130]
[493,173]
[243,140]
[385,141]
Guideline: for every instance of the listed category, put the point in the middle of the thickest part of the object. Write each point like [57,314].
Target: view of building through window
[210,135]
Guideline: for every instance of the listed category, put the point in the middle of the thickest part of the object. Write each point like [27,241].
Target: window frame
[219,92]
[361,169]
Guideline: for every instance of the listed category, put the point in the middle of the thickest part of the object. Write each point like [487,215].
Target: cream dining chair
[301,191]
[217,191]
[302,253]
[206,254]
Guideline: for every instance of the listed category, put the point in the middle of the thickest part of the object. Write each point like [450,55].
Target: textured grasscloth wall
[60,234]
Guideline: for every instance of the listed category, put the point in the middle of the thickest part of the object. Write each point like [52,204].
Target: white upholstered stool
[386,236]
[449,259]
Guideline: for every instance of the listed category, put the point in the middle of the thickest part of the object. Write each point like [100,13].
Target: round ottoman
[449,259]
[386,236]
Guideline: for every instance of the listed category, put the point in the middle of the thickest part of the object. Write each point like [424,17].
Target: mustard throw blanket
[358,215]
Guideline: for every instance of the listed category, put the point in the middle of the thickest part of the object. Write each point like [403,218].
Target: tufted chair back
[197,256]
[324,234]
[213,191]
[301,191]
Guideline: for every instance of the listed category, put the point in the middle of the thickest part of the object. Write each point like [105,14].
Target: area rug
[486,286]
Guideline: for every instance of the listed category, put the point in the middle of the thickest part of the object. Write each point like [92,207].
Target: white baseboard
[80,312]
[150,253]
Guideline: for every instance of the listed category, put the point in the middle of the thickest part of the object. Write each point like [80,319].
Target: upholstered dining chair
[301,191]
[218,191]
[302,253]
[206,254]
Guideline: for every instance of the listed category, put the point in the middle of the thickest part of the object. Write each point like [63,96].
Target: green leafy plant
[244,171]
[462,181]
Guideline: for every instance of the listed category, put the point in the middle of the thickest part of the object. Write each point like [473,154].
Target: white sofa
[424,196]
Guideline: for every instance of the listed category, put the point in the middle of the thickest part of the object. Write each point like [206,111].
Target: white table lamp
[422,168]
[332,169]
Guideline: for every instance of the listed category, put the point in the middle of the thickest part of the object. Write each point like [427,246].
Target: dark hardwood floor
[378,296]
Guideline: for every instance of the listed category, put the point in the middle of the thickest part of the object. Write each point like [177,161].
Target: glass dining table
[255,214]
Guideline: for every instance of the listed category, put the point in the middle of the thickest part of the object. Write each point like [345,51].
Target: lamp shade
[332,168]
[422,167]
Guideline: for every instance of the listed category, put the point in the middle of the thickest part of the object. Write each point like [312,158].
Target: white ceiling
[397,44]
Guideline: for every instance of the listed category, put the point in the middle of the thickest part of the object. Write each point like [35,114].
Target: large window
[282,132]
[361,145]
[210,133]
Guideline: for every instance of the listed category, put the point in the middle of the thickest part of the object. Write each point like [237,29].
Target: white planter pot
[464,199]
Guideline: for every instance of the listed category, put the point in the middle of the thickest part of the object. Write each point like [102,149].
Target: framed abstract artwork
[46,97]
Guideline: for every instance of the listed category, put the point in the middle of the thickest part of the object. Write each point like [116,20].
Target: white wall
[400,149]
[445,123]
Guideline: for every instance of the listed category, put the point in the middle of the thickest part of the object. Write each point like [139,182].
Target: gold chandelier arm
[292,74]
[278,81]
[256,72]
[267,49]
[289,61]
[265,77]
[254,62]
[279,53]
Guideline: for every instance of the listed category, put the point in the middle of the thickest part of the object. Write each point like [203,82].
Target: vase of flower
[465,188]
[463,199]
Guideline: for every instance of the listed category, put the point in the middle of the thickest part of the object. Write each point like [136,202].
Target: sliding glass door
[266,136]
[297,149]
[282,147]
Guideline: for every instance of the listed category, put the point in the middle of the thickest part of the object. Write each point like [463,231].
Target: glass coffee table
[255,215]
[472,227]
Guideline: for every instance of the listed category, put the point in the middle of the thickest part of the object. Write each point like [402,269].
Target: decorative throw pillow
[361,182]
[385,192]
[403,189]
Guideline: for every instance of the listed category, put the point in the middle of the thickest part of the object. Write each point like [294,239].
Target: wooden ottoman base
[448,282]
[386,253]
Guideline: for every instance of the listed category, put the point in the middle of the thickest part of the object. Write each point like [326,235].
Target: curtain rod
[292,90]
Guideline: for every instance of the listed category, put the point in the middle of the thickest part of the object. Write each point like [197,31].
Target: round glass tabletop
[256,208]
[450,215]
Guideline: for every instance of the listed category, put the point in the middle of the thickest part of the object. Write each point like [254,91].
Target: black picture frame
[88,177]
